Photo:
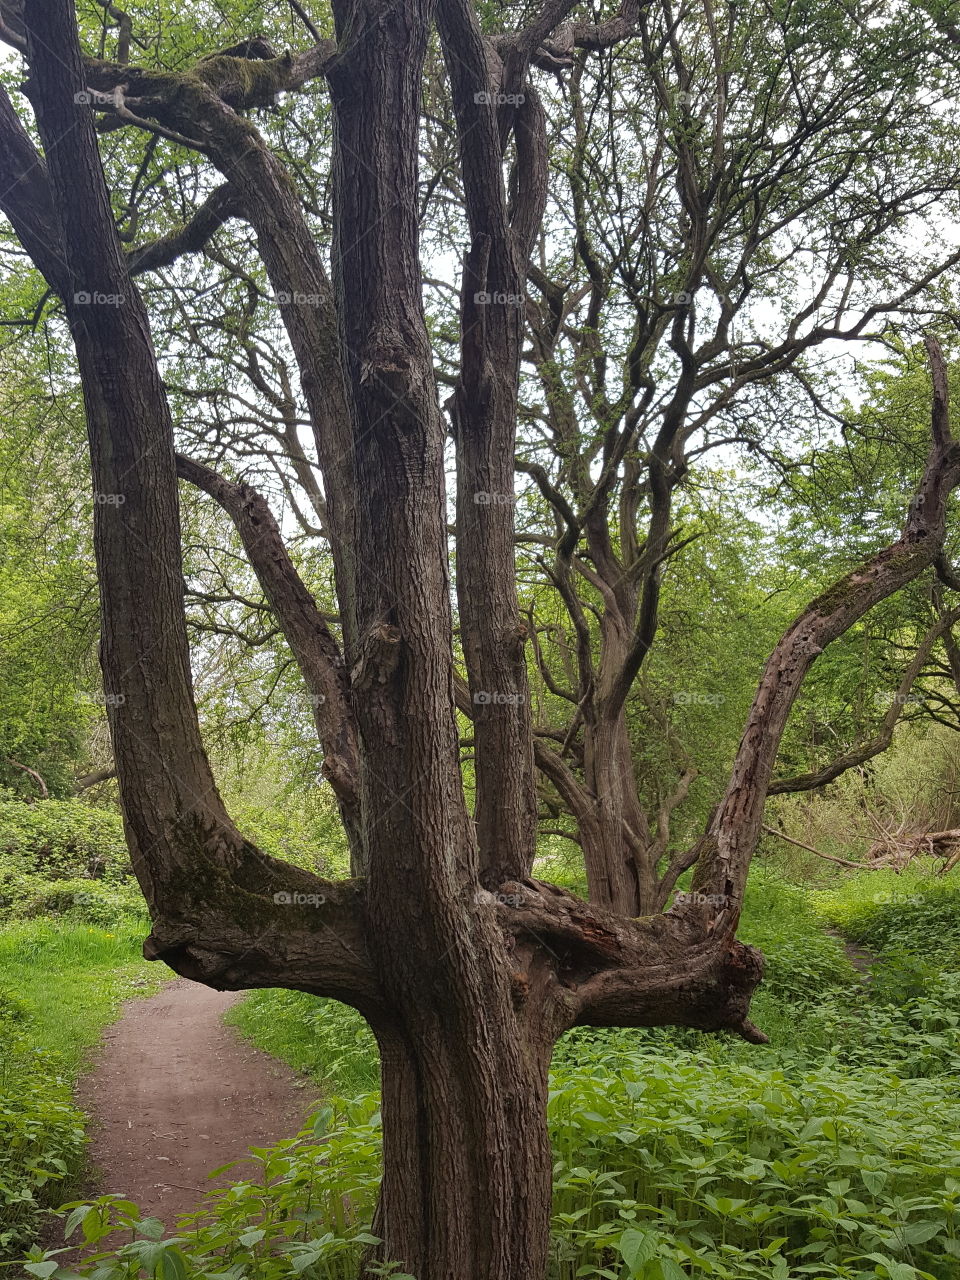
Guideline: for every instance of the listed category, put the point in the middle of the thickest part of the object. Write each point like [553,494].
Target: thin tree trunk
[618,874]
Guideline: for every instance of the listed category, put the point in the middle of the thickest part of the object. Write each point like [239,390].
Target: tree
[466,968]
[731,209]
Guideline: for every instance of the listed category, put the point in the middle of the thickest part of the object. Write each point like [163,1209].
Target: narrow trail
[860,957]
[174,1093]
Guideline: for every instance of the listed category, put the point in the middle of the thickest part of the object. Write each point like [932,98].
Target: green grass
[327,1040]
[61,982]
[72,979]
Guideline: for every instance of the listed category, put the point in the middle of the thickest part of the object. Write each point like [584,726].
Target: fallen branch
[33,774]
[841,862]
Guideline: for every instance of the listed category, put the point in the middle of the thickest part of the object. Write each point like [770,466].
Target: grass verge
[60,983]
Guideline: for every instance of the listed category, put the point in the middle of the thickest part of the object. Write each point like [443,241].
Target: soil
[174,1093]
[861,959]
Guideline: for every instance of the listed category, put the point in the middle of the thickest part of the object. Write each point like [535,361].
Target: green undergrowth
[61,982]
[671,1169]
[65,859]
[915,912]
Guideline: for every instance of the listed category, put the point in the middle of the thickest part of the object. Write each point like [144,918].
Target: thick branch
[220,206]
[214,898]
[735,828]
[287,929]
[884,736]
[483,411]
[611,971]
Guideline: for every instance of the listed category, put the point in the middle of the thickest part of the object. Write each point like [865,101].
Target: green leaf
[74,1220]
[637,1248]
[172,1266]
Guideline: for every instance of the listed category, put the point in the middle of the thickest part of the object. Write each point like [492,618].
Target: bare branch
[311,640]
[42,786]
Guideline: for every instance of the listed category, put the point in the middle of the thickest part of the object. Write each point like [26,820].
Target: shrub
[63,838]
[41,1132]
[63,857]
[913,912]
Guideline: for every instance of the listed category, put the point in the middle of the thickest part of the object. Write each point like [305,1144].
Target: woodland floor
[174,1094]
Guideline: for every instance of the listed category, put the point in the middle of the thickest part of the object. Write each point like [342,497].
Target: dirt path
[861,959]
[174,1093]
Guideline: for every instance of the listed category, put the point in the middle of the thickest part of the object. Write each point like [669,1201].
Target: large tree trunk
[466,1187]
[619,874]
[466,1191]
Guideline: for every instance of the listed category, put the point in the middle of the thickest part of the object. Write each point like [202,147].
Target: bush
[90,900]
[61,839]
[64,858]
[41,1132]
[913,912]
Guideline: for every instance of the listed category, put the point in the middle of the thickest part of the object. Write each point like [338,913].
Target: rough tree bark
[466,968]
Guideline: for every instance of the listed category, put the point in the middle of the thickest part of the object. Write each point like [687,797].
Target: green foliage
[670,1168]
[328,1040]
[41,1133]
[47,603]
[802,962]
[64,857]
[302,827]
[913,913]
[60,983]
[63,838]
